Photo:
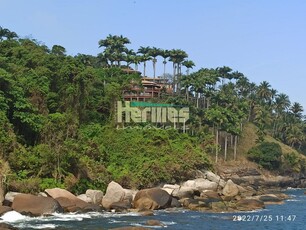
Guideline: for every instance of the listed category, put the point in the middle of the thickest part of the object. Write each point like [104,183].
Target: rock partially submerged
[69,202]
[35,206]
[154,198]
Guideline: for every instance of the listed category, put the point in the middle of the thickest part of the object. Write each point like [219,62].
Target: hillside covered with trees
[57,125]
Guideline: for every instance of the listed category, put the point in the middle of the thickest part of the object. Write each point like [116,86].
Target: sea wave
[39,226]
[12,216]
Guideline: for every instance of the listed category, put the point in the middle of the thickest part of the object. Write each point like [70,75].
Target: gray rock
[183,192]
[95,196]
[214,178]
[201,184]
[230,189]
[9,198]
[85,198]
[114,193]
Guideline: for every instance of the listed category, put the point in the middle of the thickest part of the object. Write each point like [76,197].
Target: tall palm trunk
[225,148]
[235,147]
[217,143]
[144,69]
[154,67]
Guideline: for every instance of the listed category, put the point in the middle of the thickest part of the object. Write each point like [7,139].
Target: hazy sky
[264,39]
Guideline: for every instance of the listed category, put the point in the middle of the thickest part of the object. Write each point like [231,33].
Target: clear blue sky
[264,39]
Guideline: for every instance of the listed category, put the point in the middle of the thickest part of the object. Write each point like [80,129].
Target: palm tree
[224,73]
[264,91]
[297,110]
[154,52]
[281,106]
[165,54]
[189,65]
[136,59]
[4,32]
[145,57]
[177,56]
[115,47]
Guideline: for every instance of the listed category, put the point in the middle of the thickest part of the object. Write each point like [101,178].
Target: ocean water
[291,215]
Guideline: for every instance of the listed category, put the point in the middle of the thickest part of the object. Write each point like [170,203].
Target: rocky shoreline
[207,192]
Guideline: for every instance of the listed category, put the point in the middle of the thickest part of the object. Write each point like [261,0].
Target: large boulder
[69,201]
[183,192]
[178,191]
[95,196]
[214,178]
[153,198]
[114,193]
[230,189]
[201,184]
[35,205]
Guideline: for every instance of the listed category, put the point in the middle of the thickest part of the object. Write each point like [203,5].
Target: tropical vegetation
[57,117]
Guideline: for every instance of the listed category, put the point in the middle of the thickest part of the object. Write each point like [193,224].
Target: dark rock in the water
[4,209]
[146,213]
[121,206]
[4,226]
[154,198]
[270,199]
[35,205]
[250,204]
[154,223]
[175,203]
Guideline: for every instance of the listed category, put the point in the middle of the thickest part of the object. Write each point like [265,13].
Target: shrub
[266,154]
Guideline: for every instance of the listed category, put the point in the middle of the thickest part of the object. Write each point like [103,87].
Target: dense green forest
[57,125]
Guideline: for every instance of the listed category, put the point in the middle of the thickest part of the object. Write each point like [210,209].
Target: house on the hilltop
[149,88]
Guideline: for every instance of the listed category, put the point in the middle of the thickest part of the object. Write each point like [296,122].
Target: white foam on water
[169,222]
[292,200]
[145,226]
[290,188]
[114,215]
[13,216]
[70,216]
[39,226]
[112,221]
